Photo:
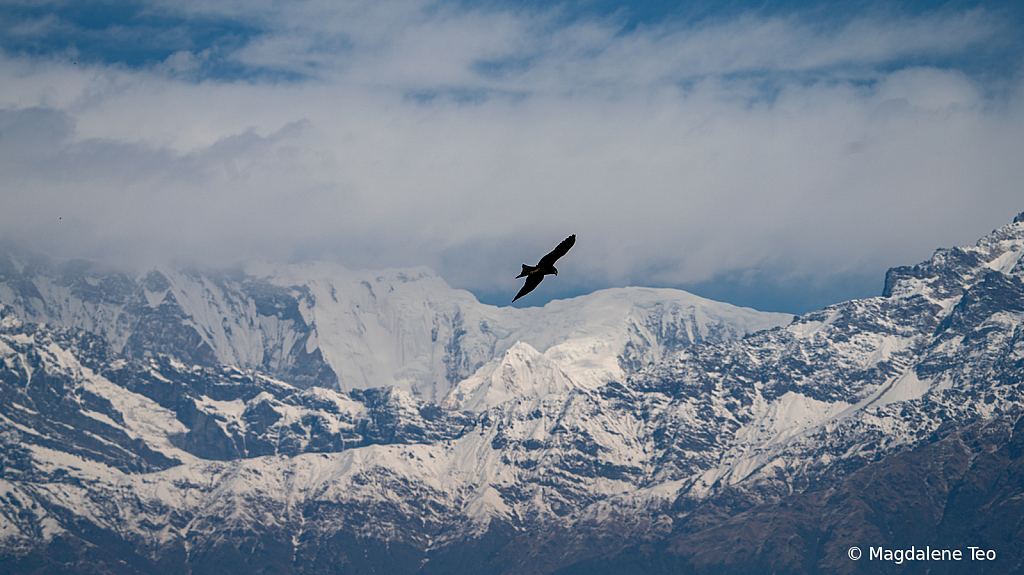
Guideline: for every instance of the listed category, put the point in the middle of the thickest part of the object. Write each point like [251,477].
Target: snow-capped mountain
[320,324]
[399,426]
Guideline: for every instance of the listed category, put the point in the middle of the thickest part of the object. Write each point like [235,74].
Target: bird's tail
[526,271]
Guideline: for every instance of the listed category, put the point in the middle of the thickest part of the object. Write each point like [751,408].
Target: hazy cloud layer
[763,150]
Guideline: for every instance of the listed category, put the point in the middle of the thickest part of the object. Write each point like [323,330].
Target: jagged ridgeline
[313,419]
[326,326]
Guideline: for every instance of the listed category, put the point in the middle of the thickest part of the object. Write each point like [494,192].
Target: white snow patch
[50,460]
[103,418]
[905,387]
[143,418]
[1005,262]
[230,410]
[782,422]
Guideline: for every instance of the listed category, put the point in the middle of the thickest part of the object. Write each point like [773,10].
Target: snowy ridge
[321,324]
[522,373]
[889,364]
[408,329]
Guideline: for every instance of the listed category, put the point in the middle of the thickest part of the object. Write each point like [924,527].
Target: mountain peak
[521,373]
[950,271]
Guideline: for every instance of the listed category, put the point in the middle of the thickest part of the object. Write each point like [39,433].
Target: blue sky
[779,155]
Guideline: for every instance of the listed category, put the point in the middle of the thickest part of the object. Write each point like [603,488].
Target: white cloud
[422,133]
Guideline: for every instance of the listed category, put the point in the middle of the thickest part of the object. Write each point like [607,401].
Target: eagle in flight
[546,265]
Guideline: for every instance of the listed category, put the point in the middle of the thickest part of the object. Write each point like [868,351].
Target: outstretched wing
[550,259]
[532,281]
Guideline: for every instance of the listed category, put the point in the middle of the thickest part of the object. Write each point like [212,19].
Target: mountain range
[313,419]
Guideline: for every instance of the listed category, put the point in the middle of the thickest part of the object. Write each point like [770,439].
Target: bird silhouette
[546,266]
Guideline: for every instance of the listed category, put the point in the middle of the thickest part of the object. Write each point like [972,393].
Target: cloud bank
[766,150]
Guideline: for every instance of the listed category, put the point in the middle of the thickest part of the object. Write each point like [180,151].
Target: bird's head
[556,270]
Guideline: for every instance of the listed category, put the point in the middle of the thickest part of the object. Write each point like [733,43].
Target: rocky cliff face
[626,431]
